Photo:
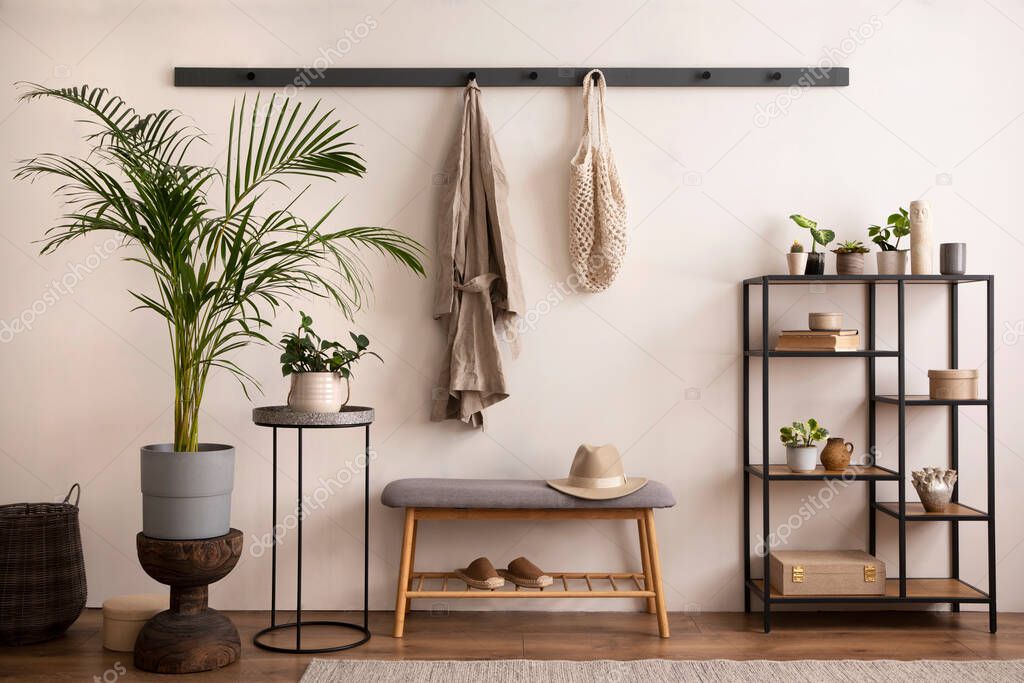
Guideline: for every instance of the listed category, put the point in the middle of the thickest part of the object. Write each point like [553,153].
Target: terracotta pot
[836,454]
[850,264]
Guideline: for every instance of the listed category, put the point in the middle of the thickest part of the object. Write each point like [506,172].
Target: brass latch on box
[869,573]
[798,574]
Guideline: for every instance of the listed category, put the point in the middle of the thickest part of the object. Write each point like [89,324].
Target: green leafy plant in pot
[799,437]
[220,270]
[320,370]
[822,236]
[850,257]
[891,259]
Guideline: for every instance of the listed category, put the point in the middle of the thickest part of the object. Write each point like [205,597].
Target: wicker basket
[42,572]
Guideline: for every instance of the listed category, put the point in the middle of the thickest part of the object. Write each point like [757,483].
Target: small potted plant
[320,370]
[799,437]
[797,259]
[850,257]
[815,259]
[891,259]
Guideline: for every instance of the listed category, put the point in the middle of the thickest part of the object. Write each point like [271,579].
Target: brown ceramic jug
[836,454]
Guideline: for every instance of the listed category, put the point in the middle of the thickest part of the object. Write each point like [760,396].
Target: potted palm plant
[799,437]
[822,236]
[221,269]
[320,369]
[891,259]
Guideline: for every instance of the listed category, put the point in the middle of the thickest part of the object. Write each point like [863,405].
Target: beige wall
[653,365]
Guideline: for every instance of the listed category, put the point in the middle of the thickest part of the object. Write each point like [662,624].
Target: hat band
[596,482]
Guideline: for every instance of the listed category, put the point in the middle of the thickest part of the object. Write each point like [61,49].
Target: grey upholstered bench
[526,499]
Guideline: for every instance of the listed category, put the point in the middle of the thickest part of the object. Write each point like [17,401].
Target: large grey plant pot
[187,495]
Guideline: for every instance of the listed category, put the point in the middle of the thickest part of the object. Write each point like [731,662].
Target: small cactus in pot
[796,259]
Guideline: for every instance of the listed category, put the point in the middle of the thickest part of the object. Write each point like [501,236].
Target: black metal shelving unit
[950,590]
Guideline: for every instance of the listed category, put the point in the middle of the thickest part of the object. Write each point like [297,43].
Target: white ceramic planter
[802,458]
[892,262]
[187,495]
[797,262]
[318,392]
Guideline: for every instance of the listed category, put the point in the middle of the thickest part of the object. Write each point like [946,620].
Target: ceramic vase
[836,454]
[797,262]
[318,392]
[953,258]
[935,487]
[801,458]
[921,240]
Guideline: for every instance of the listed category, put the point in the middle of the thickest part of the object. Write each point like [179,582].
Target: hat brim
[632,484]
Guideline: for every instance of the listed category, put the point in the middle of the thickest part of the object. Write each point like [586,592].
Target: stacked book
[815,340]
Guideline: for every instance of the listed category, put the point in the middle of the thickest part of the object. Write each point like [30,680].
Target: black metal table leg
[298,570]
[273,544]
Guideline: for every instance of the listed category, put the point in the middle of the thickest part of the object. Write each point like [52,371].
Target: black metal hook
[472,76]
[596,77]
[706,75]
[534,75]
[776,76]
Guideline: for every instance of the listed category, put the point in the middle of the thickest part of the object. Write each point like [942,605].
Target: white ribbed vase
[318,392]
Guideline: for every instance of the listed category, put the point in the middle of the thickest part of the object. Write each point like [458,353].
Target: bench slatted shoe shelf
[901,588]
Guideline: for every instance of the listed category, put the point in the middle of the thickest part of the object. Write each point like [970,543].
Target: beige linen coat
[478,289]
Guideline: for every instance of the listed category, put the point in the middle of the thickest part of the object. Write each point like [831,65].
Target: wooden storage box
[953,384]
[827,572]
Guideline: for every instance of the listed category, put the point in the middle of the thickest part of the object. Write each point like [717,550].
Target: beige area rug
[606,671]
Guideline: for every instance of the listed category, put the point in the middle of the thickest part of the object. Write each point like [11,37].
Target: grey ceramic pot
[187,495]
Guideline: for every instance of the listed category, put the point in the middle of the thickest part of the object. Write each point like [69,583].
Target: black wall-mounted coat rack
[726,77]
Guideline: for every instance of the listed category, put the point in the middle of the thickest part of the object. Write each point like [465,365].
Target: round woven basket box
[125,615]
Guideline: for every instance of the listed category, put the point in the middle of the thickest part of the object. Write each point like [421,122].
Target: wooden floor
[79,655]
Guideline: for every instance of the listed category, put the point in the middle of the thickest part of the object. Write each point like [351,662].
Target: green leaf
[822,237]
[802,221]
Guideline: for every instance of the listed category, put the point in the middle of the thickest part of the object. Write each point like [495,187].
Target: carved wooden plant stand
[190,636]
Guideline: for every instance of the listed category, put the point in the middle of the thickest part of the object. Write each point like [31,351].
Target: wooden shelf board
[559,588]
[924,400]
[857,472]
[916,512]
[918,590]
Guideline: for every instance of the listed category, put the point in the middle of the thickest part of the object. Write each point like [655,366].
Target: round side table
[283,417]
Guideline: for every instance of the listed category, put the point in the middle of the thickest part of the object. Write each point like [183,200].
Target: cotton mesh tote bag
[597,207]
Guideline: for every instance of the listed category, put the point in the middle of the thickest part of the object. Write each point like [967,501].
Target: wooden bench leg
[412,559]
[645,560]
[404,571]
[659,591]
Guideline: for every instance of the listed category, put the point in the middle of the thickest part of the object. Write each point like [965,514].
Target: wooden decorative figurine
[190,636]
[921,241]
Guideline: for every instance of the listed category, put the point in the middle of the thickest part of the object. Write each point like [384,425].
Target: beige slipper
[481,574]
[526,574]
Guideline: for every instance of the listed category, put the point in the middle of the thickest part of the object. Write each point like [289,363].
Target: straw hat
[596,474]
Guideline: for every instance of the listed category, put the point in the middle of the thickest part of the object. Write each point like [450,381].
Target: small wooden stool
[190,636]
[527,499]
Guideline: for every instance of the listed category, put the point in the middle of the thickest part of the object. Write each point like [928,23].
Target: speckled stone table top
[283,416]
